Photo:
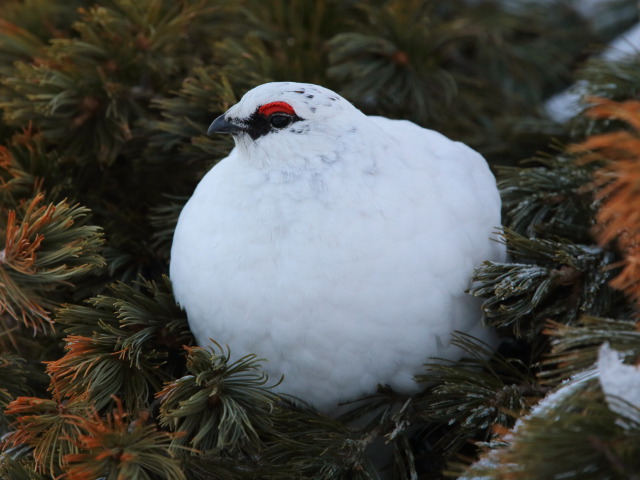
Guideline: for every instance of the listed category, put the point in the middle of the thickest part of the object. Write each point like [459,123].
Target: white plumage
[335,245]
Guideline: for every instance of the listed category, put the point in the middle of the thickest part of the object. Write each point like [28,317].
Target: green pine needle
[482,390]
[560,280]
[548,199]
[45,249]
[116,447]
[575,348]
[219,405]
[578,436]
[120,344]
[49,427]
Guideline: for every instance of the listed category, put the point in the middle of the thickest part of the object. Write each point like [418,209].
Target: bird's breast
[313,269]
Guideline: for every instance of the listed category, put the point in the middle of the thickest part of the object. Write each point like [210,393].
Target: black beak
[221,125]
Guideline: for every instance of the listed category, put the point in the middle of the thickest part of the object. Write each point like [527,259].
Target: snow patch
[620,383]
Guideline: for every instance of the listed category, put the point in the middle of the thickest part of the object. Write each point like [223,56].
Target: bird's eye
[279,120]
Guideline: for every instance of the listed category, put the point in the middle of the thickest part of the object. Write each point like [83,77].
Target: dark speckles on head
[269,117]
[304,129]
[289,107]
[328,101]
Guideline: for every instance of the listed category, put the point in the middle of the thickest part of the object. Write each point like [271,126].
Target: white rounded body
[343,272]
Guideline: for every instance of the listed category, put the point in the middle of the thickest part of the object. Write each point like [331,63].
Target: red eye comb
[276,107]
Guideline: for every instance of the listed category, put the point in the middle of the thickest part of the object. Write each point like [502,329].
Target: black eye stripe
[258,124]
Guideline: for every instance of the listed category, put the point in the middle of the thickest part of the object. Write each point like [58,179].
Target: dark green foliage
[88,89]
[116,447]
[186,116]
[46,248]
[575,349]
[17,464]
[295,34]
[48,427]
[480,391]
[222,405]
[105,106]
[551,442]
[559,279]
[315,446]
[15,374]
[617,80]
[454,66]
[120,345]
[548,198]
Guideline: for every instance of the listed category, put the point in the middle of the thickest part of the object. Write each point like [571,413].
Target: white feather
[339,249]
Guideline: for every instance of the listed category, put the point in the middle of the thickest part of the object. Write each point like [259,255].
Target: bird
[337,246]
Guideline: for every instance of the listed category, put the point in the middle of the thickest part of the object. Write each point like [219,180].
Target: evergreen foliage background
[105,106]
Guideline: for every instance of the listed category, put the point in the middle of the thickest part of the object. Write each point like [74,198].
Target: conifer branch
[575,348]
[573,433]
[311,445]
[617,187]
[186,115]
[48,427]
[46,247]
[13,179]
[615,80]
[90,87]
[119,345]
[107,104]
[18,464]
[116,446]
[427,60]
[559,279]
[484,390]
[14,382]
[548,198]
[218,405]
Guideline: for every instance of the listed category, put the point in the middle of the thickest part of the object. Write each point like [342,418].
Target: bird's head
[286,119]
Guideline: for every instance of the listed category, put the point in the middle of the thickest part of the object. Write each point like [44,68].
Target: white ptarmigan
[335,245]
